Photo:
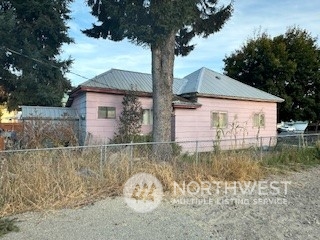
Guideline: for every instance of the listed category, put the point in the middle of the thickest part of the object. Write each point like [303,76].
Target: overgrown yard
[50,179]
[38,180]
[53,179]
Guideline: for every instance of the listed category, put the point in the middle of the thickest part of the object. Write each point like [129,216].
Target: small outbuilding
[49,126]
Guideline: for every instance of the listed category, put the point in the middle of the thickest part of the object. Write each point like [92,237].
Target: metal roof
[126,80]
[207,82]
[121,80]
[202,82]
[48,112]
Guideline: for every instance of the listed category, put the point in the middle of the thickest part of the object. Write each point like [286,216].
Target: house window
[147,117]
[219,119]
[106,112]
[258,120]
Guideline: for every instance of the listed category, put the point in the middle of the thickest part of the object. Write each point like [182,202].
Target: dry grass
[45,180]
[237,167]
[40,133]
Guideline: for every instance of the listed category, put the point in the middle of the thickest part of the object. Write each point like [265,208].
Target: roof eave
[82,89]
[279,100]
[186,105]
[50,118]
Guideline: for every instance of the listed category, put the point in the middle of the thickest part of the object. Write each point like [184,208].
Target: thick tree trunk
[162,80]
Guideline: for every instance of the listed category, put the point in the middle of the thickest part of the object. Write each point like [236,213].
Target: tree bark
[162,80]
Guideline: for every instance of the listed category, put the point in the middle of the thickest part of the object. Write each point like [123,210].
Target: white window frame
[222,119]
[147,116]
[259,120]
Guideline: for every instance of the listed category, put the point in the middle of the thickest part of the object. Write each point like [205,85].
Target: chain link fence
[195,151]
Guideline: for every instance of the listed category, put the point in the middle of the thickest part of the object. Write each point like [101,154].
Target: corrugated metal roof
[203,81]
[48,112]
[207,82]
[126,80]
[122,80]
[178,84]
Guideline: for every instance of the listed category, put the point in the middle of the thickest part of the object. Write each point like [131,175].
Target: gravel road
[295,216]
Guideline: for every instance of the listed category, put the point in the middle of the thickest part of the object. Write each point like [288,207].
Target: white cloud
[80,48]
[93,57]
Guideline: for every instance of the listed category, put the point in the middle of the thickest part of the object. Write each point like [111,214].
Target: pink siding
[195,124]
[104,129]
[191,124]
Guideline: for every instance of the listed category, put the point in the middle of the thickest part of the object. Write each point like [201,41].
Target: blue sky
[95,56]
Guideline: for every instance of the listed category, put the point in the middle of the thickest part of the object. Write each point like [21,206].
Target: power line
[49,64]
[40,61]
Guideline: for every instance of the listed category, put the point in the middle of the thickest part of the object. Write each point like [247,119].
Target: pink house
[206,106]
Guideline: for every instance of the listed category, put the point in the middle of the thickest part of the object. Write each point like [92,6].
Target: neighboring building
[206,104]
[48,113]
[6,116]
[8,127]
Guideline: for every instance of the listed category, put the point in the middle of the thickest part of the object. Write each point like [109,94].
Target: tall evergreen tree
[32,33]
[287,66]
[166,27]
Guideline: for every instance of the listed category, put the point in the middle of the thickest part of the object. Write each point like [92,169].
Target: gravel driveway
[112,219]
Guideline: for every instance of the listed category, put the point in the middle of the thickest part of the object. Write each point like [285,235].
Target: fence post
[197,152]
[101,161]
[304,141]
[105,155]
[131,157]
[261,148]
